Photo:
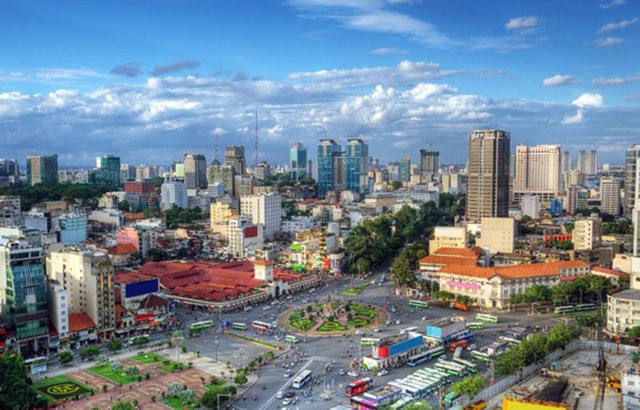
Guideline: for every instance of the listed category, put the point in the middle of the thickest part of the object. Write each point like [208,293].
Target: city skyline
[398,74]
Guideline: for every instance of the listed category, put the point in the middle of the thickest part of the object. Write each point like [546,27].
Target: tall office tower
[298,161]
[145,172]
[88,277]
[572,199]
[23,293]
[429,165]
[173,193]
[610,196]
[537,172]
[234,156]
[404,169]
[10,212]
[243,185]
[326,150]
[225,174]
[110,167]
[127,173]
[565,166]
[263,170]
[265,209]
[195,171]
[9,172]
[356,157]
[488,174]
[630,178]
[588,162]
[42,169]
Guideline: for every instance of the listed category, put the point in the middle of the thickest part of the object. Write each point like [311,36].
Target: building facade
[610,196]
[588,162]
[110,166]
[488,174]
[264,209]
[356,159]
[195,171]
[234,156]
[298,161]
[42,169]
[173,192]
[587,233]
[537,172]
[327,149]
[631,177]
[447,237]
[497,234]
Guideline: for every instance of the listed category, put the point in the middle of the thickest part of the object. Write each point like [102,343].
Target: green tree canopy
[469,386]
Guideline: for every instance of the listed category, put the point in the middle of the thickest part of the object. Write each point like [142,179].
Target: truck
[476,405]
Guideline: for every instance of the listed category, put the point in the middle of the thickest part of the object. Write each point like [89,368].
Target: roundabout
[332,317]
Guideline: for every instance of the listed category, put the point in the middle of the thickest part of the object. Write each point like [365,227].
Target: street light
[218,398]
[215,346]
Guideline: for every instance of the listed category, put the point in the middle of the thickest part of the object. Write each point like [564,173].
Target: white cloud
[573,119]
[609,42]
[612,4]
[219,131]
[615,80]
[559,80]
[619,25]
[384,51]
[588,100]
[519,23]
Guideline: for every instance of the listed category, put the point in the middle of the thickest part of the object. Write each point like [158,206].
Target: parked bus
[263,326]
[410,390]
[419,304]
[36,365]
[361,403]
[480,356]
[357,387]
[449,398]
[483,317]
[291,339]
[409,329]
[368,341]
[437,372]
[564,309]
[436,352]
[402,403]
[462,344]
[467,336]
[200,326]
[475,325]
[453,369]
[585,306]
[302,379]
[239,326]
[418,358]
[473,368]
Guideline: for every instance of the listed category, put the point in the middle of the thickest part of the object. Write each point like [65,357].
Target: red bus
[357,387]
[460,343]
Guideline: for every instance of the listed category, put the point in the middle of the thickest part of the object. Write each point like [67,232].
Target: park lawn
[118,376]
[148,358]
[355,291]
[172,366]
[176,403]
[57,380]
[218,383]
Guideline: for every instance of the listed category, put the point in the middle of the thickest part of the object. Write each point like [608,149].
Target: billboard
[408,344]
[140,288]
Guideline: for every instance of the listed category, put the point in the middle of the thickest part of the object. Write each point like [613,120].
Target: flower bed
[332,327]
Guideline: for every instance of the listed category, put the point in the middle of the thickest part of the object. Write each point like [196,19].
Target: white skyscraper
[173,193]
[537,171]
[263,209]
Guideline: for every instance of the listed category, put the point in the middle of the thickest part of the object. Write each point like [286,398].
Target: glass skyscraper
[356,158]
[326,151]
[298,161]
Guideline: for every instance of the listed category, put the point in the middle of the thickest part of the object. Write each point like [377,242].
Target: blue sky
[151,80]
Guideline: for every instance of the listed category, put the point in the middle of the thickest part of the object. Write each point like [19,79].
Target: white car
[287,401]
[398,322]
[424,318]
[376,330]
[287,374]
[280,394]
[342,372]
[382,372]
[353,374]
[472,347]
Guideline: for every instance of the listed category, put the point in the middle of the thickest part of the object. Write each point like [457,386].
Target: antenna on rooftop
[255,161]
[216,137]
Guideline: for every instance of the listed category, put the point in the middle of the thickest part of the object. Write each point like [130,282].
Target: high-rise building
[610,196]
[428,165]
[262,170]
[572,199]
[234,156]
[356,157]
[9,171]
[146,172]
[243,185]
[404,169]
[127,173]
[172,193]
[10,213]
[73,228]
[630,178]
[298,161]
[195,171]
[23,289]
[224,174]
[110,167]
[574,177]
[42,169]
[586,233]
[264,209]
[538,172]
[488,174]
[588,162]
[326,151]
[88,277]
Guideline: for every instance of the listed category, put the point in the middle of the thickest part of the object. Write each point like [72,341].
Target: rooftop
[515,271]
[628,294]
[79,322]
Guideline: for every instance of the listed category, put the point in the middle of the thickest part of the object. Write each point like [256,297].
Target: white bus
[263,326]
[302,379]
[451,368]
[402,403]
[473,368]
[409,329]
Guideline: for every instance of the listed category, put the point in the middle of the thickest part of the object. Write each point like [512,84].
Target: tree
[187,395]
[124,206]
[114,345]
[469,386]
[560,335]
[634,332]
[537,293]
[15,385]
[509,362]
[132,371]
[240,379]
[174,388]
[419,405]
[120,405]
[90,352]
[65,357]
[210,399]
[587,320]
[534,349]
[562,292]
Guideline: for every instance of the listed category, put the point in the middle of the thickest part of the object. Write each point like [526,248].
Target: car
[472,347]
[342,372]
[388,322]
[382,372]
[268,307]
[359,332]
[289,394]
[424,318]
[353,374]
[280,394]
[393,310]
[287,401]
[376,330]
[442,358]
[287,374]
[398,322]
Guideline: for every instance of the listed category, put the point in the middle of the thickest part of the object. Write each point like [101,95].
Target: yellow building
[511,403]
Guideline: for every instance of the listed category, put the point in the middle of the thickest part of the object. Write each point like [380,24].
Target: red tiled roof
[515,271]
[476,251]
[79,322]
[152,301]
[445,260]
[124,277]
[130,216]
[122,249]
[607,271]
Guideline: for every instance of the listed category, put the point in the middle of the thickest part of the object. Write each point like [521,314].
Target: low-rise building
[615,276]
[430,265]
[497,234]
[394,350]
[448,237]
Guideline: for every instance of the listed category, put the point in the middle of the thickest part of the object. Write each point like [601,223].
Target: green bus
[419,304]
[200,326]
[291,339]
[483,317]
[368,341]
[239,326]
[480,356]
[449,398]
[475,325]
[585,307]
[564,309]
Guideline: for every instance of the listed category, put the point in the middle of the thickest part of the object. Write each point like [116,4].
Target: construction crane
[601,366]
